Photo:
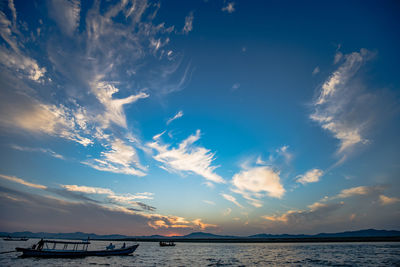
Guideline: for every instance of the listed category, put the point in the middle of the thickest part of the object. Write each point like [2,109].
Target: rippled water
[217,254]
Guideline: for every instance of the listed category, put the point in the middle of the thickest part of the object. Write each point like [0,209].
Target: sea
[223,254]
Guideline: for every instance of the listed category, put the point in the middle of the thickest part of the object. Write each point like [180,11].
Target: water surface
[223,254]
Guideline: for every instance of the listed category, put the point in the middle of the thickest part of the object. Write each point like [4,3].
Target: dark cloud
[146,207]
[21,210]
[71,195]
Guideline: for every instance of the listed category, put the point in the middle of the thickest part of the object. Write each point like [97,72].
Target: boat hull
[26,252]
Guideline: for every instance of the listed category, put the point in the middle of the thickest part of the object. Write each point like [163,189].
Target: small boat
[71,249]
[167,244]
[9,238]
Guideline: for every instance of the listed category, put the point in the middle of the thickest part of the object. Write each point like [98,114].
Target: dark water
[209,254]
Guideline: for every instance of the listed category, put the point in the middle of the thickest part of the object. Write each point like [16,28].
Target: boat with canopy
[71,249]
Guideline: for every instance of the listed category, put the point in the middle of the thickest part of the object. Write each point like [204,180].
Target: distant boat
[9,238]
[166,244]
[70,249]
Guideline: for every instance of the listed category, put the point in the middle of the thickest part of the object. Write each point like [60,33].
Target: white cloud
[388,200]
[188,23]
[21,63]
[66,13]
[354,191]
[311,176]
[113,107]
[177,116]
[209,202]
[88,189]
[230,7]
[259,180]
[37,117]
[231,199]
[117,200]
[93,75]
[120,158]
[202,226]
[372,191]
[341,107]
[22,181]
[187,157]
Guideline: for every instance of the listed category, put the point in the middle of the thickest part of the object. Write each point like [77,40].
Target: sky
[171,117]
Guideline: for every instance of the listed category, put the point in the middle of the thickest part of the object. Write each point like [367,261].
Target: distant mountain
[205,235]
[278,236]
[359,233]
[201,235]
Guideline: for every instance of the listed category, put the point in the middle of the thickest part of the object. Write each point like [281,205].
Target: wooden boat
[167,244]
[15,239]
[51,249]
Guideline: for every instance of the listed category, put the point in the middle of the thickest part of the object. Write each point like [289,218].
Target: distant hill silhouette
[202,235]
[205,235]
[359,233]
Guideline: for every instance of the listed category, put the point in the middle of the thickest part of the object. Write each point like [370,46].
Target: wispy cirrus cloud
[127,200]
[343,107]
[177,116]
[231,199]
[188,24]
[187,157]
[42,150]
[120,158]
[98,74]
[66,13]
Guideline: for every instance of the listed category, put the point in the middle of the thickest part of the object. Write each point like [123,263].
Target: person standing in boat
[40,244]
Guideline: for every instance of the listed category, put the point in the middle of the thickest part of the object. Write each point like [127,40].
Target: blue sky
[230,117]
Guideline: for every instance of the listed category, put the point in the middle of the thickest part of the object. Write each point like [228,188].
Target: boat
[9,238]
[167,244]
[71,249]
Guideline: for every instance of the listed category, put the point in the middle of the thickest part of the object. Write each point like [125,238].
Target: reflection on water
[206,254]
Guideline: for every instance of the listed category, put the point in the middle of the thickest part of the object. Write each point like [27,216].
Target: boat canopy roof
[66,242]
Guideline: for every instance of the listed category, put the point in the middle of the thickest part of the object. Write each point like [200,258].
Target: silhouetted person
[111,246]
[40,244]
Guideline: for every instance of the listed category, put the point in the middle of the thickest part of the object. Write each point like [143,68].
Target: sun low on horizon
[172,117]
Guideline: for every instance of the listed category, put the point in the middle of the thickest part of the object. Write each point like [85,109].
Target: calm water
[205,254]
